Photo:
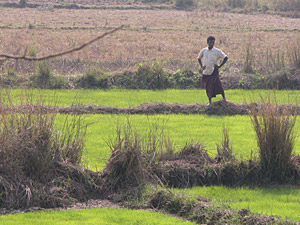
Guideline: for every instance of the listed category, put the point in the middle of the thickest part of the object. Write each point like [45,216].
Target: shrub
[34,155]
[236,3]
[23,3]
[249,59]
[44,78]
[286,5]
[43,75]
[10,79]
[153,77]
[294,55]
[185,79]
[225,148]
[184,4]
[132,160]
[93,79]
[32,48]
[275,138]
[145,77]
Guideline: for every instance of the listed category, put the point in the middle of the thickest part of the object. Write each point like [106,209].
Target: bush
[32,48]
[34,155]
[146,77]
[184,4]
[294,55]
[93,79]
[225,153]
[10,79]
[236,3]
[185,79]
[286,5]
[132,160]
[43,78]
[275,138]
[249,59]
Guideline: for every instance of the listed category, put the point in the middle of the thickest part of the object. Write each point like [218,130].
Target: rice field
[174,38]
[181,129]
[91,217]
[128,98]
[277,201]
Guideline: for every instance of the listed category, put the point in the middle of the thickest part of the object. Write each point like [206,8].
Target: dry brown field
[172,37]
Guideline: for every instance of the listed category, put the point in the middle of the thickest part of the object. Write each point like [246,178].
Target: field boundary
[216,108]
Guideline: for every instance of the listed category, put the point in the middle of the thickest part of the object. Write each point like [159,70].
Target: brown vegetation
[173,37]
[216,108]
[40,164]
[275,138]
[202,211]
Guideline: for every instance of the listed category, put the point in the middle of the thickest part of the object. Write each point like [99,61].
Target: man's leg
[209,101]
[223,95]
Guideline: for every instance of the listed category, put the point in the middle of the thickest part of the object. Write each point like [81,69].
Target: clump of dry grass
[294,55]
[39,164]
[202,211]
[132,160]
[275,138]
[249,59]
[225,153]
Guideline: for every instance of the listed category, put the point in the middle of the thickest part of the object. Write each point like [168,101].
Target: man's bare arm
[224,61]
[200,62]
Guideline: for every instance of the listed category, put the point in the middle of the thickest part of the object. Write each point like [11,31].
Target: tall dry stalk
[225,148]
[133,158]
[294,55]
[29,140]
[249,59]
[275,138]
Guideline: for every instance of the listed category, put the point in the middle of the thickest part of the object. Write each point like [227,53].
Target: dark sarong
[213,84]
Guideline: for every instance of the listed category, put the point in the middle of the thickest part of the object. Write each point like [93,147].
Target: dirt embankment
[216,108]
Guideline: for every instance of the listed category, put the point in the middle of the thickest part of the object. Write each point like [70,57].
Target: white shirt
[210,58]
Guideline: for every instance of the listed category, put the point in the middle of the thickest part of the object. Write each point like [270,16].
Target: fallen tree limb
[24,57]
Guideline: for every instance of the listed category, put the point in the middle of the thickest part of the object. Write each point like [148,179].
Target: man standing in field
[211,57]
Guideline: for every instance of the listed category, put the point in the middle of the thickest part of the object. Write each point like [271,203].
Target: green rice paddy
[181,129]
[127,98]
[279,201]
[91,217]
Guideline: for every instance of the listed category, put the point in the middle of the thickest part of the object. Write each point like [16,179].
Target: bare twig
[24,57]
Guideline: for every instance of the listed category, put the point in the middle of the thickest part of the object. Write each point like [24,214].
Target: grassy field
[279,201]
[173,37]
[127,98]
[180,128]
[91,217]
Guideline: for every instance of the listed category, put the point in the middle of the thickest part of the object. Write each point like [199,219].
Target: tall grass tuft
[29,139]
[294,55]
[225,148]
[43,75]
[34,154]
[275,138]
[249,59]
[132,160]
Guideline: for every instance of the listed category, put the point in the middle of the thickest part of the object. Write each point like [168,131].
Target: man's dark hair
[211,38]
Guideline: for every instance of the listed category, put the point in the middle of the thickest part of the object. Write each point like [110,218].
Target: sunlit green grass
[127,98]
[281,201]
[180,128]
[91,217]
